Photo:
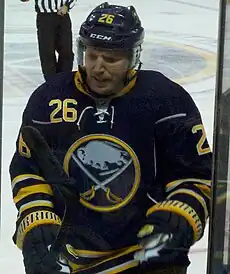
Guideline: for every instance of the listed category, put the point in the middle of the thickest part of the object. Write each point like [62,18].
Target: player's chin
[101,89]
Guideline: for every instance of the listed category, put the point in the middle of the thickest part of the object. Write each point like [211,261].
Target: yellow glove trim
[193,194]
[181,209]
[32,220]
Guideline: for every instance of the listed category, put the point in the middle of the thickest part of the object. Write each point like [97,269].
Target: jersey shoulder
[58,87]
[165,94]
[160,84]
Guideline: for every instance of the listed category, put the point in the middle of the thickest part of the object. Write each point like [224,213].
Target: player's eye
[110,59]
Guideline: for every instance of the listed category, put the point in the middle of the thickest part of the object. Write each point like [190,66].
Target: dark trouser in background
[54,33]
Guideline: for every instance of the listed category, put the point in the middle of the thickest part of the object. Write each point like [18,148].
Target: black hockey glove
[37,257]
[171,229]
[35,235]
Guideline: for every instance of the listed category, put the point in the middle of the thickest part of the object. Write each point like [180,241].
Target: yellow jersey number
[68,112]
[201,150]
[106,18]
[23,148]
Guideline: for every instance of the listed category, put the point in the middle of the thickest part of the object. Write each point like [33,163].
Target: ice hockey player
[134,144]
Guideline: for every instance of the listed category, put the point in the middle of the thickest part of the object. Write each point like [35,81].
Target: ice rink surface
[181,41]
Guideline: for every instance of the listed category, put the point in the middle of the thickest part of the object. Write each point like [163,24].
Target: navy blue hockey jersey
[126,152]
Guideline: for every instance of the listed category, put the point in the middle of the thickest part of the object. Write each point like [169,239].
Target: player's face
[106,70]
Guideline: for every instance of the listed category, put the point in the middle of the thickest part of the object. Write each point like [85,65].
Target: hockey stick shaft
[52,171]
[55,175]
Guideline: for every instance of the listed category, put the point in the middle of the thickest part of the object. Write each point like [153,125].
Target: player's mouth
[100,82]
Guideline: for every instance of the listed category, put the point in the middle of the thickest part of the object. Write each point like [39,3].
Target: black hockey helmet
[113,27]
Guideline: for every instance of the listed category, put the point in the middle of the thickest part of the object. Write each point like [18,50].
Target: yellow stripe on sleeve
[23,177]
[205,190]
[170,186]
[29,190]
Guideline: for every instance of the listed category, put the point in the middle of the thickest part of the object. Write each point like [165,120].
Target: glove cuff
[181,209]
[33,219]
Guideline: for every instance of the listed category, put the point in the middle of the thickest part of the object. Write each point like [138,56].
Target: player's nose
[99,65]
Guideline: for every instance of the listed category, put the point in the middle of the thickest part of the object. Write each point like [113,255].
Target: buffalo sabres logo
[107,169]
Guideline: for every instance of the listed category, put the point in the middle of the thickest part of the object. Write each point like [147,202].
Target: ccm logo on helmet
[100,37]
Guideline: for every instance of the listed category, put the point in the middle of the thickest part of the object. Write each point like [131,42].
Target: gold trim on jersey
[121,202]
[110,255]
[29,190]
[32,220]
[113,270]
[170,186]
[82,87]
[181,209]
[97,254]
[24,177]
[191,193]
[206,190]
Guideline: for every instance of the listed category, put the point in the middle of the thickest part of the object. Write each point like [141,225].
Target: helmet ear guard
[136,55]
[80,51]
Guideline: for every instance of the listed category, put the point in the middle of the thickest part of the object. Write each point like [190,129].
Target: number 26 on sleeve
[23,148]
[201,147]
